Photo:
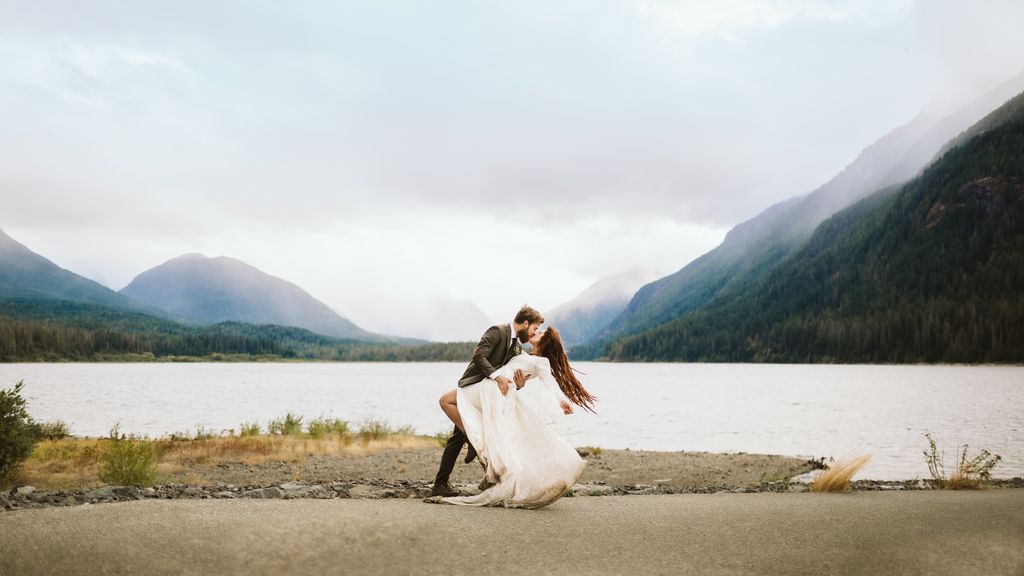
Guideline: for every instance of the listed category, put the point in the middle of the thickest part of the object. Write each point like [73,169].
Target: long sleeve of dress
[542,391]
[550,397]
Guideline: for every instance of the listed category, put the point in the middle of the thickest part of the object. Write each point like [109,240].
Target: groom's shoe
[470,454]
[443,489]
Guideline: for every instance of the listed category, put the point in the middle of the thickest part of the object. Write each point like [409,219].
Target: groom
[497,347]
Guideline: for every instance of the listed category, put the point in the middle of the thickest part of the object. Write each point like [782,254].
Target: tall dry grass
[837,477]
[75,463]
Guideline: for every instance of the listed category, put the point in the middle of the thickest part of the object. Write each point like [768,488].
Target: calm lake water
[798,410]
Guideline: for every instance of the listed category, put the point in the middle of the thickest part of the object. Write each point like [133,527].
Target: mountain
[27,276]
[757,246]
[590,311]
[56,330]
[202,290]
[931,271]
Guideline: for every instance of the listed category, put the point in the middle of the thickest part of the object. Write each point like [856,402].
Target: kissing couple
[504,418]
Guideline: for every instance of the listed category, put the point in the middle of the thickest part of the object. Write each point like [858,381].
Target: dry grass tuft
[837,477]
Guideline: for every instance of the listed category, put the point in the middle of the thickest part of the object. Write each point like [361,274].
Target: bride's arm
[551,395]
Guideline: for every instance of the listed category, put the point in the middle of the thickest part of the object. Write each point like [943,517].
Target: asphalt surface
[853,533]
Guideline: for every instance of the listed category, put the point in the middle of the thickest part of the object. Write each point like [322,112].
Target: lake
[798,410]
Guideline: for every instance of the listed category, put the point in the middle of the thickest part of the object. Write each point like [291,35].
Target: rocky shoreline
[27,497]
[406,472]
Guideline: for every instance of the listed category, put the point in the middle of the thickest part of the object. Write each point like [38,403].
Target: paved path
[856,533]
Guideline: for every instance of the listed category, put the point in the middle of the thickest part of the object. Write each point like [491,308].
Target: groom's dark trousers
[450,456]
[492,352]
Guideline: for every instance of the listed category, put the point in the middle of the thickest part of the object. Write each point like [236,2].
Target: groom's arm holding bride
[481,354]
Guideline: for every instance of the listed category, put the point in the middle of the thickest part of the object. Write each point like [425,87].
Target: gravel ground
[614,467]
[408,473]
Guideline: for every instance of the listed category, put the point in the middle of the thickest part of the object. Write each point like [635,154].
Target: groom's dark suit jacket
[491,353]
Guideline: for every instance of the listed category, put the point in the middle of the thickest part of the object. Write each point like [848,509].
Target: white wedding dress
[528,463]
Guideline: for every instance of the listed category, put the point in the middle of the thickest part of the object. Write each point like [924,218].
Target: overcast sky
[386,154]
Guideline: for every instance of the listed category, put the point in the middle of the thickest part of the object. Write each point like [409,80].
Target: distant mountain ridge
[25,275]
[202,290]
[755,247]
[587,314]
[930,271]
[38,330]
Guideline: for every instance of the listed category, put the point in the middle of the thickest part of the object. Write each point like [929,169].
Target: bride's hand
[520,378]
[566,407]
[502,385]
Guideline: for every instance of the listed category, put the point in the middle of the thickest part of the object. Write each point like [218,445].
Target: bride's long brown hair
[550,347]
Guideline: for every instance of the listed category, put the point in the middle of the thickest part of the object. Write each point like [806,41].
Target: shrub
[18,432]
[375,429]
[290,425]
[128,460]
[55,430]
[323,426]
[249,429]
[969,473]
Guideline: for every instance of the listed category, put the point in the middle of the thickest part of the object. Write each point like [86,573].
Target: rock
[24,491]
[70,501]
[127,492]
[296,490]
[361,491]
[105,493]
[39,497]
[641,489]
[193,492]
[272,492]
[591,490]
[225,494]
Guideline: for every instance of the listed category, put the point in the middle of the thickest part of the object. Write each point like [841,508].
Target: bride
[526,464]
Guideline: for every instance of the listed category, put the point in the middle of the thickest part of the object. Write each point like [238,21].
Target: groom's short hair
[527,314]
